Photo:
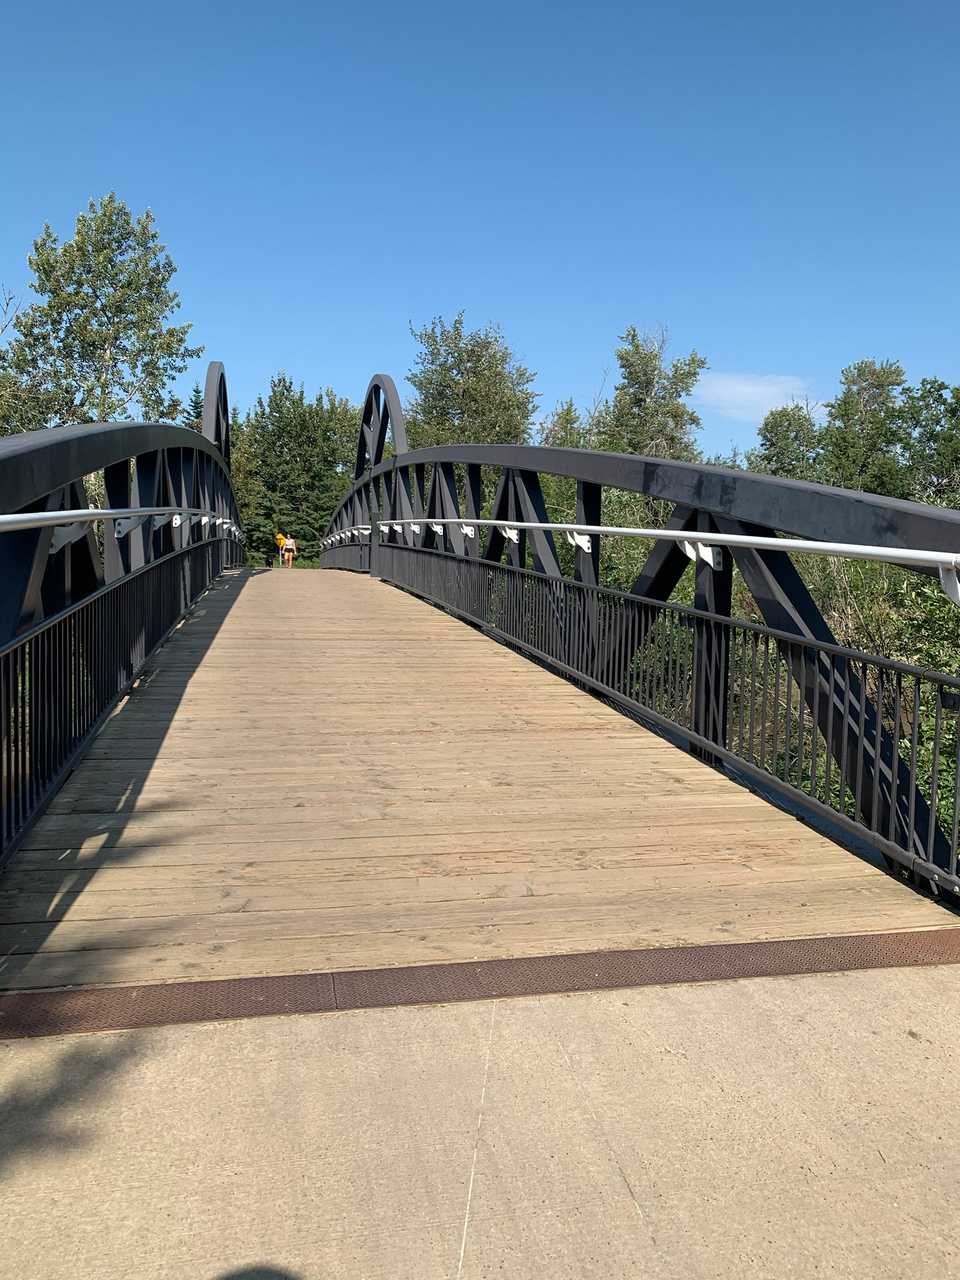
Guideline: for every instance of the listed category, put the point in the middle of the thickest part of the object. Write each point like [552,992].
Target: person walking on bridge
[289,551]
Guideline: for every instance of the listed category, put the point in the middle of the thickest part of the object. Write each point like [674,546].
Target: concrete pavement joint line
[476,1143]
[65,1010]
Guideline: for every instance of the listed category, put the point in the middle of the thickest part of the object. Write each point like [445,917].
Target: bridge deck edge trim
[72,1010]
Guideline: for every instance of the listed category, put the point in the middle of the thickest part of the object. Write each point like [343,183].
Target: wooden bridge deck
[319,772]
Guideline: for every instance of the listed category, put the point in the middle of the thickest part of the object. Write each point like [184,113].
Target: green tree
[930,415]
[99,341]
[292,461]
[564,429]
[864,439]
[193,411]
[789,443]
[470,388]
[649,414]
[245,476]
[15,397]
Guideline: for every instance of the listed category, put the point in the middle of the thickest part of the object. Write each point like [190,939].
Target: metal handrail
[92,515]
[945,562]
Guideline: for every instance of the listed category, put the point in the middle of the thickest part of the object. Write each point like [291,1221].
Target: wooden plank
[160,962]
[91,903]
[702,826]
[266,865]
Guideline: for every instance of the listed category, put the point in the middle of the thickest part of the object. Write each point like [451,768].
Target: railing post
[373,518]
[587,571]
[714,589]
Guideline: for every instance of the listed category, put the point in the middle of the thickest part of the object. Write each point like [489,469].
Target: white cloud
[747,397]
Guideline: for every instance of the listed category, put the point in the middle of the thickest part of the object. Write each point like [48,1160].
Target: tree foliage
[789,443]
[930,415]
[10,391]
[193,410]
[879,435]
[99,341]
[292,462]
[468,386]
[862,443]
[649,413]
[887,437]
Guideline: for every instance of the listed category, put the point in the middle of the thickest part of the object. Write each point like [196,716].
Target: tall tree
[292,462]
[13,398]
[649,413]
[864,439]
[789,443]
[564,429]
[470,388]
[193,412]
[930,414]
[99,342]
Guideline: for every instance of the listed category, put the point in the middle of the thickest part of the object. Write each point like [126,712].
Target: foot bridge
[450,768]
[452,764]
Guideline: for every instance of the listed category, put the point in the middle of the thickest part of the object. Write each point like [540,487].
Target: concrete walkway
[774,1127]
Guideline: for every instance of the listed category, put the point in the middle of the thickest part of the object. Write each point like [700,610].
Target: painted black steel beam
[797,507]
[38,462]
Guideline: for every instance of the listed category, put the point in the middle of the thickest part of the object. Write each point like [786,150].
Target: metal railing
[87,592]
[866,744]
[699,544]
[869,743]
[354,556]
[60,680]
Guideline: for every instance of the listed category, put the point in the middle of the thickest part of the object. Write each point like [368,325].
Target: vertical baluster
[814,719]
[934,775]
[754,642]
[861,735]
[801,714]
[5,771]
[955,833]
[914,746]
[21,733]
[895,757]
[787,723]
[741,668]
[877,744]
[621,670]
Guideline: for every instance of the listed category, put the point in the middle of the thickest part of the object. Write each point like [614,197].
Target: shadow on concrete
[39,1113]
[42,1115]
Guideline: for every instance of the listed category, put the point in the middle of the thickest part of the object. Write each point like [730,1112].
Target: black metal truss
[43,571]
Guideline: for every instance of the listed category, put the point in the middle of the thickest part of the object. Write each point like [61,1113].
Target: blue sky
[777,186]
